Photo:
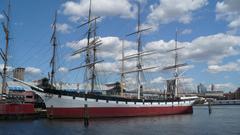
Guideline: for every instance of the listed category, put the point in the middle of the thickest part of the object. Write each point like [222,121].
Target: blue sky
[209,32]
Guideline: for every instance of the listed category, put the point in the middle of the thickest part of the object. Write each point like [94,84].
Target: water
[224,120]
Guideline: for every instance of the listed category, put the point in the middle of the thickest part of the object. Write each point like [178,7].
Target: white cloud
[32,70]
[211,49]
[77,44]
[77,10]
[158,80]
[235,23]
[1,16]
[226,87]
[63,28]
[72,57]
[111,47]
[110,50]
[186,31]
[229,67]
[187,80]
[173,10]
[9,68]
[162,58]
[63,69]
[107,67]
[228,10]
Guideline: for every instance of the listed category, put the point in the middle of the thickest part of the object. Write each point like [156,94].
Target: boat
[11,105]
[73,104]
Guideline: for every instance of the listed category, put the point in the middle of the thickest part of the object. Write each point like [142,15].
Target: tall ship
[73,104]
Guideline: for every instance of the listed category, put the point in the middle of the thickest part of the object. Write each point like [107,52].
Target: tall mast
[5,54]
[90,56]
[122,74]
[139,61]
[139,55]
[88,53]
[93,78]
[175,81]
[176,63]
[54,44]
[89,34]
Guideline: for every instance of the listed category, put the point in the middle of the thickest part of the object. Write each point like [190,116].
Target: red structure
[116,112]
[16,109]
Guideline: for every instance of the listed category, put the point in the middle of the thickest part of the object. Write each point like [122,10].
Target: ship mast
[176,65]
[122,74]
[93,78]
[90,56]
[176,62]
[139,55]
[88,60]
[4,55]
[139,59]
[54,44]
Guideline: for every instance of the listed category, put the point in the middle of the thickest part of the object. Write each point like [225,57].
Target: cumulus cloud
[63,28]
[228,10]
[107,67]
[63,70]
[32,70]
[211,49]
[75,45]
[1,16]
[110,50]
[186,31]
[158,80]
[229,67]
[187,80]
[162,58]
[72,57]
[77,10]
[173,10]
[226,87]
[111,47]
[9,68]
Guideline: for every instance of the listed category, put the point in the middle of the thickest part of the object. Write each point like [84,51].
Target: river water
[224,120]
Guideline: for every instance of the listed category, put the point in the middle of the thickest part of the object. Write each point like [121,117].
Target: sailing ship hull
[75,107]
[104,112]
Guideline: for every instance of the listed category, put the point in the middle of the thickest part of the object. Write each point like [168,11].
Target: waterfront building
[201,88]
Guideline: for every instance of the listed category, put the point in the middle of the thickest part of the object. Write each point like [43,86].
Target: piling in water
[209,107]
[85,116]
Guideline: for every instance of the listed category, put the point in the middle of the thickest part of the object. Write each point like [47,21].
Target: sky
[209,31]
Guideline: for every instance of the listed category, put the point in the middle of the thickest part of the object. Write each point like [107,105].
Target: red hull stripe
[16,109]
[116,111]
